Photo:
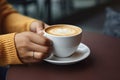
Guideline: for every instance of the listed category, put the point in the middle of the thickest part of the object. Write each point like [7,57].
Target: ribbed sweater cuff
[9,54]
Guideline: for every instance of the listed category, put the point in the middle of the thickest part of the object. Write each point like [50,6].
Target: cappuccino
[63,30]
[65,39]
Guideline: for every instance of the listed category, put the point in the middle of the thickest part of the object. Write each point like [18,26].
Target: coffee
[65,39]
[63,30]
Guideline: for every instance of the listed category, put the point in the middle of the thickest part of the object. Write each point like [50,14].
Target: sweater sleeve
[8,54]
[11,20]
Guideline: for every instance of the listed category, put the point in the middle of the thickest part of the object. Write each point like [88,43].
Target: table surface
[102,64]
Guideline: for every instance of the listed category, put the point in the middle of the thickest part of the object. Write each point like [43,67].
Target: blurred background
[91,15]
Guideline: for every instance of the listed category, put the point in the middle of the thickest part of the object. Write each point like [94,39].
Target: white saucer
[81,53]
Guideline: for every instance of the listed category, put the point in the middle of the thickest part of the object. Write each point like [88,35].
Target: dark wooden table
[102,64]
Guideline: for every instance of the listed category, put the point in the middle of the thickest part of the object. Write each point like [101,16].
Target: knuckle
[46,41]
[47,49]
[39,56]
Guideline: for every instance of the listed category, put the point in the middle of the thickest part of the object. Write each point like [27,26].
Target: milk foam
[63,30]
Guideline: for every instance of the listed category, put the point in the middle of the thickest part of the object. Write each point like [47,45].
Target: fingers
[38,26]
[40,31]
[32,57]
[39,48]
[39,55]
[39,39]
[27,42]
[45,26]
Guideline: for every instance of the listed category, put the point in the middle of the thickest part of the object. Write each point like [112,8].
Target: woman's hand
[38,26]
[32,47]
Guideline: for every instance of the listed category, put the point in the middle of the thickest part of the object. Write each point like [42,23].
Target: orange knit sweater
[10,23]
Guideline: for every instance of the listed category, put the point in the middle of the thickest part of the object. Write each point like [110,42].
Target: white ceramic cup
[64,46]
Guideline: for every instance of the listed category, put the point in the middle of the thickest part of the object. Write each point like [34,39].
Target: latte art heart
[63,30]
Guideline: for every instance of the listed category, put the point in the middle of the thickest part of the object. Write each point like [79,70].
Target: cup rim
[63,36]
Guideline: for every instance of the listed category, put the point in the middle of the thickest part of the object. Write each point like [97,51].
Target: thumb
[40,32]
[36,26]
